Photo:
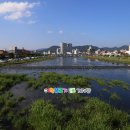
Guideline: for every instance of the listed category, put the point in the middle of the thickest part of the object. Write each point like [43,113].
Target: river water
[119,74]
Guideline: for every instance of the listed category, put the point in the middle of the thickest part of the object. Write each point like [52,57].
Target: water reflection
[68,61]
[61,61]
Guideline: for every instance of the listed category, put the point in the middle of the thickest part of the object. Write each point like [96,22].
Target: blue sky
[37,24]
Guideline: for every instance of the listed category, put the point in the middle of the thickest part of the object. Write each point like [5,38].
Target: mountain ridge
[84,48]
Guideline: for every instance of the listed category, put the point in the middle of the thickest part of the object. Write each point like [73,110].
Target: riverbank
[119,59]
[15,62]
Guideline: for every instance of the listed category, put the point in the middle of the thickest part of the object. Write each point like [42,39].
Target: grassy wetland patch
[72,112]
[56,79]
[93,114]
[110,83]
[112,59]
[7,101]
[9,80]
[115,96]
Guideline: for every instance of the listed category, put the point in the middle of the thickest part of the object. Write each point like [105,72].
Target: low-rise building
[75,51]
[3,53]
[128,52]
[58,51]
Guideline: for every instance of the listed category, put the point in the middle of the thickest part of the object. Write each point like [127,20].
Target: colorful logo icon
[60,90]
[56,90]
[87,90]
[51,90]
[45,90]
[79,90]
[72,90]
[67,90]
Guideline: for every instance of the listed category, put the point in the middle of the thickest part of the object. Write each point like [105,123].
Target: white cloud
[61,31]
[17,15]
[16,10]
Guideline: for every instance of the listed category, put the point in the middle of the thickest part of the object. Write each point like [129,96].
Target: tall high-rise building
[65,47]
[69,47]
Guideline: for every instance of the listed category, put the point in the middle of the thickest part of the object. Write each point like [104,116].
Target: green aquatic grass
[52,78]
[115,96]
[97,115]
[99,81]
[93,115]
[71,80]
[9,80]
[110,83]
[75,98]
[7,103]
[44,116]
[106,90]
[118,83]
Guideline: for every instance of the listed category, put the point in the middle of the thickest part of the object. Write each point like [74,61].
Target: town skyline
[40,23]
[59,44]
[65,49]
